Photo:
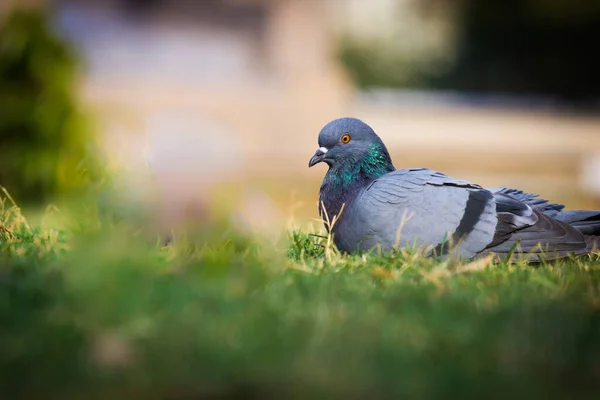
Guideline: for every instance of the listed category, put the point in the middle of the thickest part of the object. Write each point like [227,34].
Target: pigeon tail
[586,221]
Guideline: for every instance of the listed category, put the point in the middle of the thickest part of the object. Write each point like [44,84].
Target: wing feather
[441,208]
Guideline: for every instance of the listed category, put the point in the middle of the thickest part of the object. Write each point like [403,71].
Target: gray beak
[318,157]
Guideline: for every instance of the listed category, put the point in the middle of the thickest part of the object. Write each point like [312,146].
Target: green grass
[95,308]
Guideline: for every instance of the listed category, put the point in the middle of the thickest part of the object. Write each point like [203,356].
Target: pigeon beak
[318,157]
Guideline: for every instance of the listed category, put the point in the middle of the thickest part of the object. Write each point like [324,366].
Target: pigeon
[367,204]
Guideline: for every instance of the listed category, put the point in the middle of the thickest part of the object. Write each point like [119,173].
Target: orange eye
[345,139]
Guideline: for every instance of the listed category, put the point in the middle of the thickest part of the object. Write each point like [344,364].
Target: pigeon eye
[345,139]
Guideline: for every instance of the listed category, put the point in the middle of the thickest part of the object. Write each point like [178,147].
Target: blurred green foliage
[46,143]
[531,47]
[379,65]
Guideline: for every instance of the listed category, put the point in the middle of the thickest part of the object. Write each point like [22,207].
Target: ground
[93,306]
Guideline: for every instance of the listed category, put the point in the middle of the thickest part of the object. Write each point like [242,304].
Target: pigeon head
[349,143]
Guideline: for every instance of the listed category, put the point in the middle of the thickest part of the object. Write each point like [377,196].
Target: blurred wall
[207,92]
[224,100]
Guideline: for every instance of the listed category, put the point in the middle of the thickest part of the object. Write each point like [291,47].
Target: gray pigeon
[368,204]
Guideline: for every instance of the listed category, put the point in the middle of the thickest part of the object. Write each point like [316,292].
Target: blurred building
[236,91]
[208,91]
[246,68]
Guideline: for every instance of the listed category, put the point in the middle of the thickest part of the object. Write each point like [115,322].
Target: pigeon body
[368,204]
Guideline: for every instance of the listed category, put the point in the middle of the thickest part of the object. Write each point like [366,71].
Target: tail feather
[586,221]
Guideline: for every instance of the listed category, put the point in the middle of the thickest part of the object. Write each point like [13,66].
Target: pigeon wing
[586,221]
[533,200]
[532,232]
[418,207]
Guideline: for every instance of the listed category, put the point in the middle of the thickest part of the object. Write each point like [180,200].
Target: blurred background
[217,104]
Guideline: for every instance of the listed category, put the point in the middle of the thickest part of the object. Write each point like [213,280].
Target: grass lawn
[95,308]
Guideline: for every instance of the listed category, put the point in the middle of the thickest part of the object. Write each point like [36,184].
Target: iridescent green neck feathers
[372,165]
